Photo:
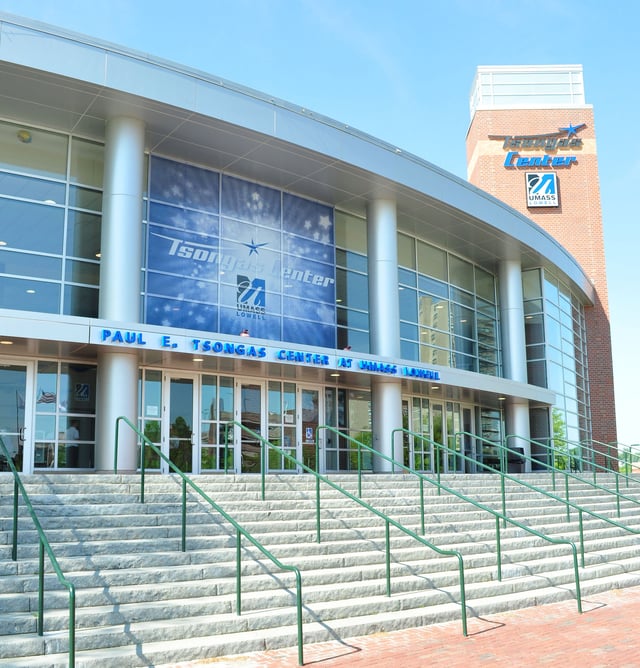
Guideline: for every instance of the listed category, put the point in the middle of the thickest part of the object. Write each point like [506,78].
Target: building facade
[532,144]
[195,256]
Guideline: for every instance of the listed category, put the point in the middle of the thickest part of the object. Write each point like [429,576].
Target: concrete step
[134,584]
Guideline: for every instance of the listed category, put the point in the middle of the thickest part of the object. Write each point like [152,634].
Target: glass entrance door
[251,411]
[180,422]
[447,422]
[417,445]
[16,382]
[310,411]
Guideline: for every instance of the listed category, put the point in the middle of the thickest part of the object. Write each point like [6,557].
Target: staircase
[141,601]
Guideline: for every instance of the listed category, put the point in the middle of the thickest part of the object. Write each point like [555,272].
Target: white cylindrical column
[517,422]
[121,242]
[382,250]
[120,266]
[117,395]
[514,354]
[386,416]
[384,327]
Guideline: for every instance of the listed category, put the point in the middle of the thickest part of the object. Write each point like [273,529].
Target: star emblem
[572,129]
[253,247]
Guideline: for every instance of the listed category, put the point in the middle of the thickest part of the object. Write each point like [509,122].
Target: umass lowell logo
[251,298]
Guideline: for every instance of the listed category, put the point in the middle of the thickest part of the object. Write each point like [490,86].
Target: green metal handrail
[568,474]
[498,516]
[240,531]
[566,501]
[580,447]
[44,546]
[267,445]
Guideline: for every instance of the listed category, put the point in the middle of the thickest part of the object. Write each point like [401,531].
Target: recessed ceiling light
[6,343]
[31,292]
[24,136]
[197,359]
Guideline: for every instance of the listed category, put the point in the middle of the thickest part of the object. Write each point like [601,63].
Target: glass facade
[448,309]
[50,208]
[556,351]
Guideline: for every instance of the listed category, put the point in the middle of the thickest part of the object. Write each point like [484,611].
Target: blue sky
[402,72]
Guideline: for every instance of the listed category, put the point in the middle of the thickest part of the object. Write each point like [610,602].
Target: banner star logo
[572,129]
[253,247]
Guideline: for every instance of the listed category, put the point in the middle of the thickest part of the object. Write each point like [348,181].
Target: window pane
[208,401]
[406,251]
[29,295]
[531,284]
[29,188]
[87,162]
[406,277]
[351,232]
[35,227]
[26,264]
[461,273]
[82,272]
[485,285]
[408,305]
[434,287]
[83,198]
[430,355]
[432,261]
[38,152]
[81,301]
[83,235]
[77,388]
[352,289]
[434,312]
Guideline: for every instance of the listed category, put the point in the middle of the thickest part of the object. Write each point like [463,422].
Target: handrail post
[14,546]
[72,627]
[184,515]
[238,574]
[504,500]
[498,548]
[142,469]
[388,555]
[318,539]
[299,617]
[422,528]
[41,588]
[566,490]
[115,449]
[263,470]
[359,450]
[581,528]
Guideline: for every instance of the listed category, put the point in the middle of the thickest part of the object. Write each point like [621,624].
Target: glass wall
[50,221]
[556,351]
[448,309]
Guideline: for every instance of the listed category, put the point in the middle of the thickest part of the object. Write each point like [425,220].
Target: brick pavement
[606,635]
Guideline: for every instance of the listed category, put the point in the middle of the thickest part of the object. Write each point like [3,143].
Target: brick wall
[576,223]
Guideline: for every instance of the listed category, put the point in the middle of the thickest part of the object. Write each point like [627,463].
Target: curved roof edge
[388,169]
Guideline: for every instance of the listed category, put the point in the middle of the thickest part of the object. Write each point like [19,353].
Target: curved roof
[51,77]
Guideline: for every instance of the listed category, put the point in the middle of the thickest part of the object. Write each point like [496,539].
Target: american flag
[46,397]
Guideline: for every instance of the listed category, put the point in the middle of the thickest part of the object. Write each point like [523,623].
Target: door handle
[21,434]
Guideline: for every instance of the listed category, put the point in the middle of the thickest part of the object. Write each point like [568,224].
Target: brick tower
[532,144]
